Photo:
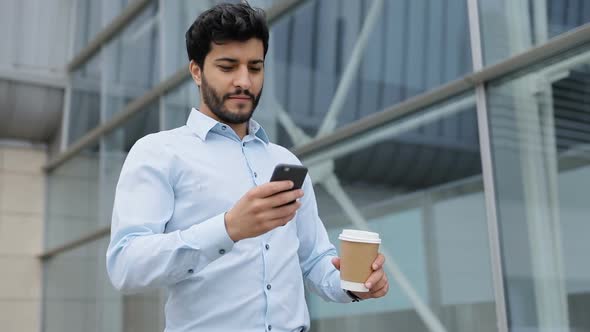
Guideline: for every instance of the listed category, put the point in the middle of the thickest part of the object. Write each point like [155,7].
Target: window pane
[72,199]
[412,46]
[509,27]
[540,125]
[417,182]
[84,100]
[130,62]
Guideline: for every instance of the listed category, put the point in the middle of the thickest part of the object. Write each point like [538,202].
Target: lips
[240,98]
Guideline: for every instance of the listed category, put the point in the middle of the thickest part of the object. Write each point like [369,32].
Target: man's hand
[376,283]
[260,210]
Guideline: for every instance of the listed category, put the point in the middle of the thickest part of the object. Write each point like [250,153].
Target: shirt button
[223,127]
[268,287]
[267,247]
[221,251]
[270,327]
[191,271]
[244,144]
[255,175]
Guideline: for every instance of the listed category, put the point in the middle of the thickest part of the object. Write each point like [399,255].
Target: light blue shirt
[168,231]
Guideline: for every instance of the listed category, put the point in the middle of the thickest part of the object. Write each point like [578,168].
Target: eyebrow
[251,62]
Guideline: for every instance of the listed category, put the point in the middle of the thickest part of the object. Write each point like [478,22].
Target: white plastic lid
[353,235]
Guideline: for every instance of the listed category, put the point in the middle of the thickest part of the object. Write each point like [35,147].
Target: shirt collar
[202,124]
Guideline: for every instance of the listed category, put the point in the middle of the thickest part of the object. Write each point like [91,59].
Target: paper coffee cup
[358,251]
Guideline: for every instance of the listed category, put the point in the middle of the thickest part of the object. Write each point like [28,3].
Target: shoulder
[155,149]
[161,142]
[283,154]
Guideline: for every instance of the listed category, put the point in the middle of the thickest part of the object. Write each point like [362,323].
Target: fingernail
[368,284]
[375,266]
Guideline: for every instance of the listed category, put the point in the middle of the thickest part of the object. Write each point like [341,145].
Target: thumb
[336,263]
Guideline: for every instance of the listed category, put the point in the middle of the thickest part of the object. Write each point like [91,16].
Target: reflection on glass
[131,62]
[417,182]
[412,46]
[87,18]
[178,104]
[78,296]
[72,196]
[84,100]
[540,125]
[76,292]
[90,17]
[509,27]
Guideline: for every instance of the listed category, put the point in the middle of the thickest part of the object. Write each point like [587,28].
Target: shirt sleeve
[140,255]
[316,252]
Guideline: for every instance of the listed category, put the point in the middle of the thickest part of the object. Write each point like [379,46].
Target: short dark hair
[225,22]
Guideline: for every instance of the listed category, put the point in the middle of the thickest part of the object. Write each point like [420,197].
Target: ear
[196,72]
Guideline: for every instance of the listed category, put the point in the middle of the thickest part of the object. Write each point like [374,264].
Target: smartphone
[295,173]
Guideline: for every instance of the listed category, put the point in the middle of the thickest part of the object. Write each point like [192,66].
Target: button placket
[252,172]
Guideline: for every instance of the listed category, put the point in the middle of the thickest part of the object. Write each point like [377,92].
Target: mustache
[240,93]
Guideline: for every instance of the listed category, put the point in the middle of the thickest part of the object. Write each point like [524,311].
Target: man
[194,211]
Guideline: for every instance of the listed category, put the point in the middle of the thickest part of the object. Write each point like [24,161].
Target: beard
[216,102]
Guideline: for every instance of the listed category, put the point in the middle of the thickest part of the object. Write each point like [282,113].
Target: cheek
[257,84]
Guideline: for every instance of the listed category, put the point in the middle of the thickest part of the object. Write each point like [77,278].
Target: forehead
[243,51]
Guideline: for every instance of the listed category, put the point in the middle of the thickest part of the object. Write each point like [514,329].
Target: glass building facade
[457,129]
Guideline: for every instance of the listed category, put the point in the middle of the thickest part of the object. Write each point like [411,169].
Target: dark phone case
[294,173]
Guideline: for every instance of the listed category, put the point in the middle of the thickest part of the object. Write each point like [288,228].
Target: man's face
[232,78]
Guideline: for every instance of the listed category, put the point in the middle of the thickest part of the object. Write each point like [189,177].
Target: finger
[281,212]
[379,284]
[281,199]
[278,222]
[374,278]
[381,292]
[379,261]
[272,188]
[336,263]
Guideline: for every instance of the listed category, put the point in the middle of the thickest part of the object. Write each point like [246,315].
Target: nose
[242,78]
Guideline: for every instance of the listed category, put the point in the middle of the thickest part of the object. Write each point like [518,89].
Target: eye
[225,68]
[255,69]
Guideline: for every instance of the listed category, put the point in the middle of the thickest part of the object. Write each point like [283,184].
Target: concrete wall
[22,201]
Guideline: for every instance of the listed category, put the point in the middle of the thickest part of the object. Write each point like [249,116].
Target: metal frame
[488,171]
[163,61]
[29,77]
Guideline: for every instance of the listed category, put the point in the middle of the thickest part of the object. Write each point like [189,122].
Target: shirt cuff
[342,297]
[210,237]
[338,293]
